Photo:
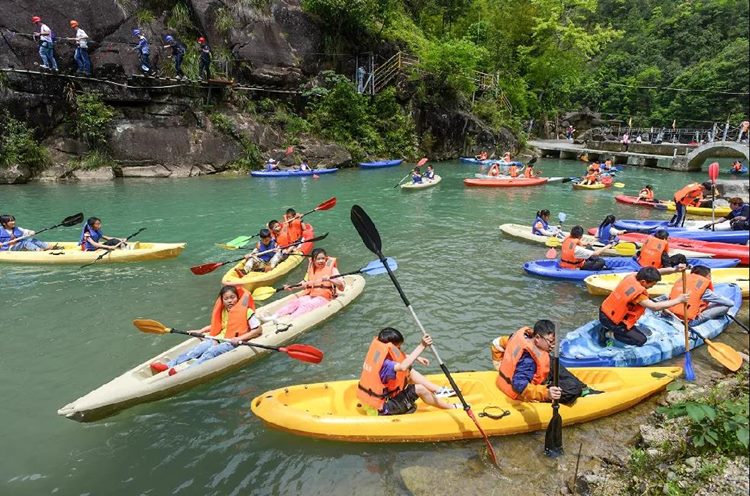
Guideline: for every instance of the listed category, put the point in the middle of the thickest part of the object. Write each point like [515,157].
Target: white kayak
[141,385]
[426,183]
[524,232]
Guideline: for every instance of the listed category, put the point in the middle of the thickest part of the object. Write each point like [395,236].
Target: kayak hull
[380,164]
[426,183]
[505,183]
[293,173]
[691,230]
[332,411]
[602,285]
[666,339]
[717,250]
[70,253]
[669,205]
[141,385]
[591,186]
[489,161]
[550,268]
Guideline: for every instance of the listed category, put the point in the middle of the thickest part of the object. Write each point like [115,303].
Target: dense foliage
[18,145]
[93,119]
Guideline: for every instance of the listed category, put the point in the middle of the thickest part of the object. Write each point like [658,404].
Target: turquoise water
[68,330]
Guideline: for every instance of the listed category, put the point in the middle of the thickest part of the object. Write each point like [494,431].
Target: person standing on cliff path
[81,55]
[360,79]
[204,62]
[178,53]
[144,51]
[46,44]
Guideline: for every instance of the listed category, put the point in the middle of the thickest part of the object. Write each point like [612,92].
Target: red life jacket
[620,306]
[325,289]
[651,252]
[696,286]
[370,389]
[568,258]
[519,342]
[237,318]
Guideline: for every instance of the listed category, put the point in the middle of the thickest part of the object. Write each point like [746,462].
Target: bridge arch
[729,149]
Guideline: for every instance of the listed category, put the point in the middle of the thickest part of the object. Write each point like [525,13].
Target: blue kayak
[666,338]
[741,171]
[292,173]
[381,164]
[550,268]
[690,231]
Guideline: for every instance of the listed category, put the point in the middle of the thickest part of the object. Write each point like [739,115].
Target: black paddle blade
[533,160]
[73,220]
[366,229]
[553,438]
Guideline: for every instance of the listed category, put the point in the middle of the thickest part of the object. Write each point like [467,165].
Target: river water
[66,331]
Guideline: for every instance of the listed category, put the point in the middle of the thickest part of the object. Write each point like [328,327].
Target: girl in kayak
[320,286]
[389,386]
[607,233]
[233,318]
[17,239]
[91,237]
[416,176]
[541,225]
[429,173]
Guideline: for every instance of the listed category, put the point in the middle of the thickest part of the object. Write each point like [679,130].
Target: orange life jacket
[283,238]
[651,252]
[294,227]
[519,342]
[692,194]
[696,286]
[592,176]
[646,194]
[328,289]
[237,318]
[737,167]
[527,172]
[594,168]
[494,170]
[568,258]
[370,389]
[620,306]
[513,171]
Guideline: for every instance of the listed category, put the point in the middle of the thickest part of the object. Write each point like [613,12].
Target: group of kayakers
[46,38]
[418,177]
[15,238]
[596,172]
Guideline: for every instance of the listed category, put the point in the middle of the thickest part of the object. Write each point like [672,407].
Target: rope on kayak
[494,416]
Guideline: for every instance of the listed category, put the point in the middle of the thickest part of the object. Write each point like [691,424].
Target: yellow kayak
[605,283]
[702,211]
[589,186]
[331,410]
[70,253]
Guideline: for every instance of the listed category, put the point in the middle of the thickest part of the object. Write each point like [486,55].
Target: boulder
[324,155]
[148,171]
[737,187]
[15,174]
[101,174]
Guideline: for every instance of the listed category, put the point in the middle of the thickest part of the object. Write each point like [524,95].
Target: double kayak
[256,279]
[380,164]
[293,173]
[666,339]
[669,205]
[66,252]
[331,410]
[505,183]
[715,249]
[606,283]
[551,268]
[426,183]
[524,232]
[140,384]
[691,230]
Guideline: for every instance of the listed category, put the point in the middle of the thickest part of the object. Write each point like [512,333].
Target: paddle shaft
[224,340]
[266,252]
[118,244]
[736,321]
[32,235]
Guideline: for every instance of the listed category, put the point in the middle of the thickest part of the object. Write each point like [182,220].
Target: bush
[224,21]
[252,156]
[18,146]
[92,160]
[93,120]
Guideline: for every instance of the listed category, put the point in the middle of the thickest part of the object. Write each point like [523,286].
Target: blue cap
[136,32]
[168,38]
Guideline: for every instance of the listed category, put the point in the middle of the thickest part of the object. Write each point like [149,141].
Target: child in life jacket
[647,194]
[607,233]
[389,386]
[703,304]
[264,257]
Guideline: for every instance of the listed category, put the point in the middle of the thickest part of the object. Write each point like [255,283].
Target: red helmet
[36,19]
[201,40]
[73,23]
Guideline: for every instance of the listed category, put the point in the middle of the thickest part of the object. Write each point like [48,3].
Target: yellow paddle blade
[226,246]
[619,185]
[151,326]
[625,249]
[725,355]
[553,242]
[263,293]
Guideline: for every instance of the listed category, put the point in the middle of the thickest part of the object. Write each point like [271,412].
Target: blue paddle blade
[376,267]
[562,216]
[689,373]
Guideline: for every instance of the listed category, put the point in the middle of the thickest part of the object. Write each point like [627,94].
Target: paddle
[552,253]
[371,238]
[723,353]
[326,205]
[553,437]
[107,252]
[738,322]
[689,373]
[301,352]
[206,268]
[67,222]
[372,269]
[619,185]
[713,174]
[624,248]
[421,162]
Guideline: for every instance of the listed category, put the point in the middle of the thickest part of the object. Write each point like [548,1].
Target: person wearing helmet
[144,50]
[46,44]
[178,53]
[81,55]
[204,62]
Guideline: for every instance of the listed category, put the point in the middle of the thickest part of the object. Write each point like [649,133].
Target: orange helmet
[73,23]
[36,19]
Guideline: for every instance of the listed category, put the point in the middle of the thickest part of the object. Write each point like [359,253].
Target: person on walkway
[361,79]
[319,286]
[737,217]
[91,237]
[81,55]
[523,364]
[388,385]
[606,233]
[144,52]
[744,130]
[46,44]
[569,133]
[11,237]
[574,256]
[647,194]
[204,61]
[541,226]
[233,318]
[703,304]
[625,142]
[692,194]
[654,252]
[178,53]
[620,311]
[264,257]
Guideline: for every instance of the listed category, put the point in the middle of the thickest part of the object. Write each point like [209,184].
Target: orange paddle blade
[327,205]
[303,353]
[151,326]
[422,161]
[725,354]
[206,268]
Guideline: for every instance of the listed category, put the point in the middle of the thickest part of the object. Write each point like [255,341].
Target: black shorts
[402,403]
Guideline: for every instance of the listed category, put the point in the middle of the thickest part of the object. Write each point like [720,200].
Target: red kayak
[633,200]
[506,183]
[718,250]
